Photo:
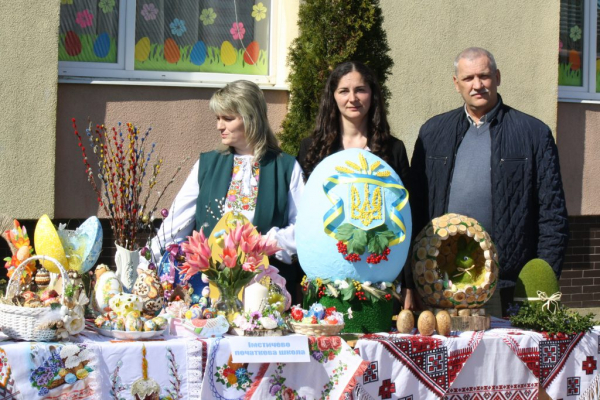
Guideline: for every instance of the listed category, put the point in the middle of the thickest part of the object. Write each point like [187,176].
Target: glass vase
[228,304]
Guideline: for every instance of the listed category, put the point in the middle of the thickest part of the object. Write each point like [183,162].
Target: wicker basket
[316,329]
[20,322]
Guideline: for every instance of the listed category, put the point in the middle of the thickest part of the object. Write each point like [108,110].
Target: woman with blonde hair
[249,175]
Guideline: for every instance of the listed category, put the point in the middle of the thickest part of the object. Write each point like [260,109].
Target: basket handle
[13,281]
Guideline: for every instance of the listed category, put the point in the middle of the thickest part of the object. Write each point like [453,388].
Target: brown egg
[443,323]
[426,323]
[405,322]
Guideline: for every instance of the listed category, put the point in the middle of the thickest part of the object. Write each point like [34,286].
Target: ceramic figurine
[147,286]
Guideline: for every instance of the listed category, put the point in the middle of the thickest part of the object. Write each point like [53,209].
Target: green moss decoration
[367,317]
[536,275]
[331,32]
[537,317]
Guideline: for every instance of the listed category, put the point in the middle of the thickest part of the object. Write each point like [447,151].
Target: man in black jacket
[498,165]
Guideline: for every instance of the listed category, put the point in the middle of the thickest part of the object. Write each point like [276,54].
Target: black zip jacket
[528,204]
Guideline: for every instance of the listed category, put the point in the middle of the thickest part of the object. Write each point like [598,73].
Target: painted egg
[142,49]
[102,45]
[426,323]
[149,326]
[405,322]
[82,373]
[47,243]
[252,52]
[356,198]
[118,324]
[161,322]
[198,54]
[171,50]
[82,246]
[443,323]
[107,286]
[70,378]
[72,44]
[133,324]
[228,53]
[147,286]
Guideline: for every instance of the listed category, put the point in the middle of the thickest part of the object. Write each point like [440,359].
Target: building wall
[182,127]
[578,140]
[425,37]
[28,79]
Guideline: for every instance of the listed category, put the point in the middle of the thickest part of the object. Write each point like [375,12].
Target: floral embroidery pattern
[178,27]
[334,380]
[324,348]
[259,11]
[208,16]
[66,364]
[149,11]
[277,387]
[84,18]
[106,5]
[234,375]
[240,198]
[237,30]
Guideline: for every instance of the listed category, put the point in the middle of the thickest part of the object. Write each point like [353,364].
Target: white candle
[254,296]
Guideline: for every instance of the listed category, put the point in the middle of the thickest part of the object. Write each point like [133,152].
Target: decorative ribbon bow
[462,270]
[554,299]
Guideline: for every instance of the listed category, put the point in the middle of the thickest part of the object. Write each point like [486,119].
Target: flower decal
[178,27]
[106,5]
[259,11]
[149,11]
[208,16]
[237,30]
[575,33]
[84,18]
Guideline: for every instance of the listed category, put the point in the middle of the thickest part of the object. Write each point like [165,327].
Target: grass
[87,50]
[156,62]
[568,77]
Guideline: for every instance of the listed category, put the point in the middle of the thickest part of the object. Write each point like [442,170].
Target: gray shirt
[471,186]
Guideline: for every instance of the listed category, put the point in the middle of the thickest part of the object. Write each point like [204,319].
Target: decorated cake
[353,232]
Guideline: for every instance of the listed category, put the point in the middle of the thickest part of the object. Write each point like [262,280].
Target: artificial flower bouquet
[317,320]
[236,258]
[267,322]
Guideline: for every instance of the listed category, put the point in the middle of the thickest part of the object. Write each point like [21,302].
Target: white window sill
[581,101]
[150,82]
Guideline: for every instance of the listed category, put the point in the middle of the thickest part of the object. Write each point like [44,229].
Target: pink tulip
[197,254]
[236,234]
[252,262]
[249,244]
[268,246]
[230,257]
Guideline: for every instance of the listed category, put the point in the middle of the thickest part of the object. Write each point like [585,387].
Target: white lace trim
[194,371]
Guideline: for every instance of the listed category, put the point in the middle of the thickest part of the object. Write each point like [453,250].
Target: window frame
[588,89]
[123,71]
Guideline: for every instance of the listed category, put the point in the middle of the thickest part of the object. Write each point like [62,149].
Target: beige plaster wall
[578,140]
[182,126]
[28,79]
[426,36]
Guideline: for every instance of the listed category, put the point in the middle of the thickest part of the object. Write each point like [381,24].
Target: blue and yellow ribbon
[334,217]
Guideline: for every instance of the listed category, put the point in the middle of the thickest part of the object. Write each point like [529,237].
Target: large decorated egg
[107,286]
[48,243]
[455,263]
[82,246]
[354,220]
[147,287]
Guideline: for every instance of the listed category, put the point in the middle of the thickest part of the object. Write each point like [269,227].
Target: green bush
[331,32]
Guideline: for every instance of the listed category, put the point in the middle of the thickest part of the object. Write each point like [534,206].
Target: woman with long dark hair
[352,115]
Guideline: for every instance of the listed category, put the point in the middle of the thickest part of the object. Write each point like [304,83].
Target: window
[173,40]
[579,51]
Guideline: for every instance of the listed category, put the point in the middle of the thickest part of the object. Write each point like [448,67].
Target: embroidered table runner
[412,366]
[97,368]
[330,374]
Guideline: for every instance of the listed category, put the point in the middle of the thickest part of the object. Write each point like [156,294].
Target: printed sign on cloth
[330,374]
